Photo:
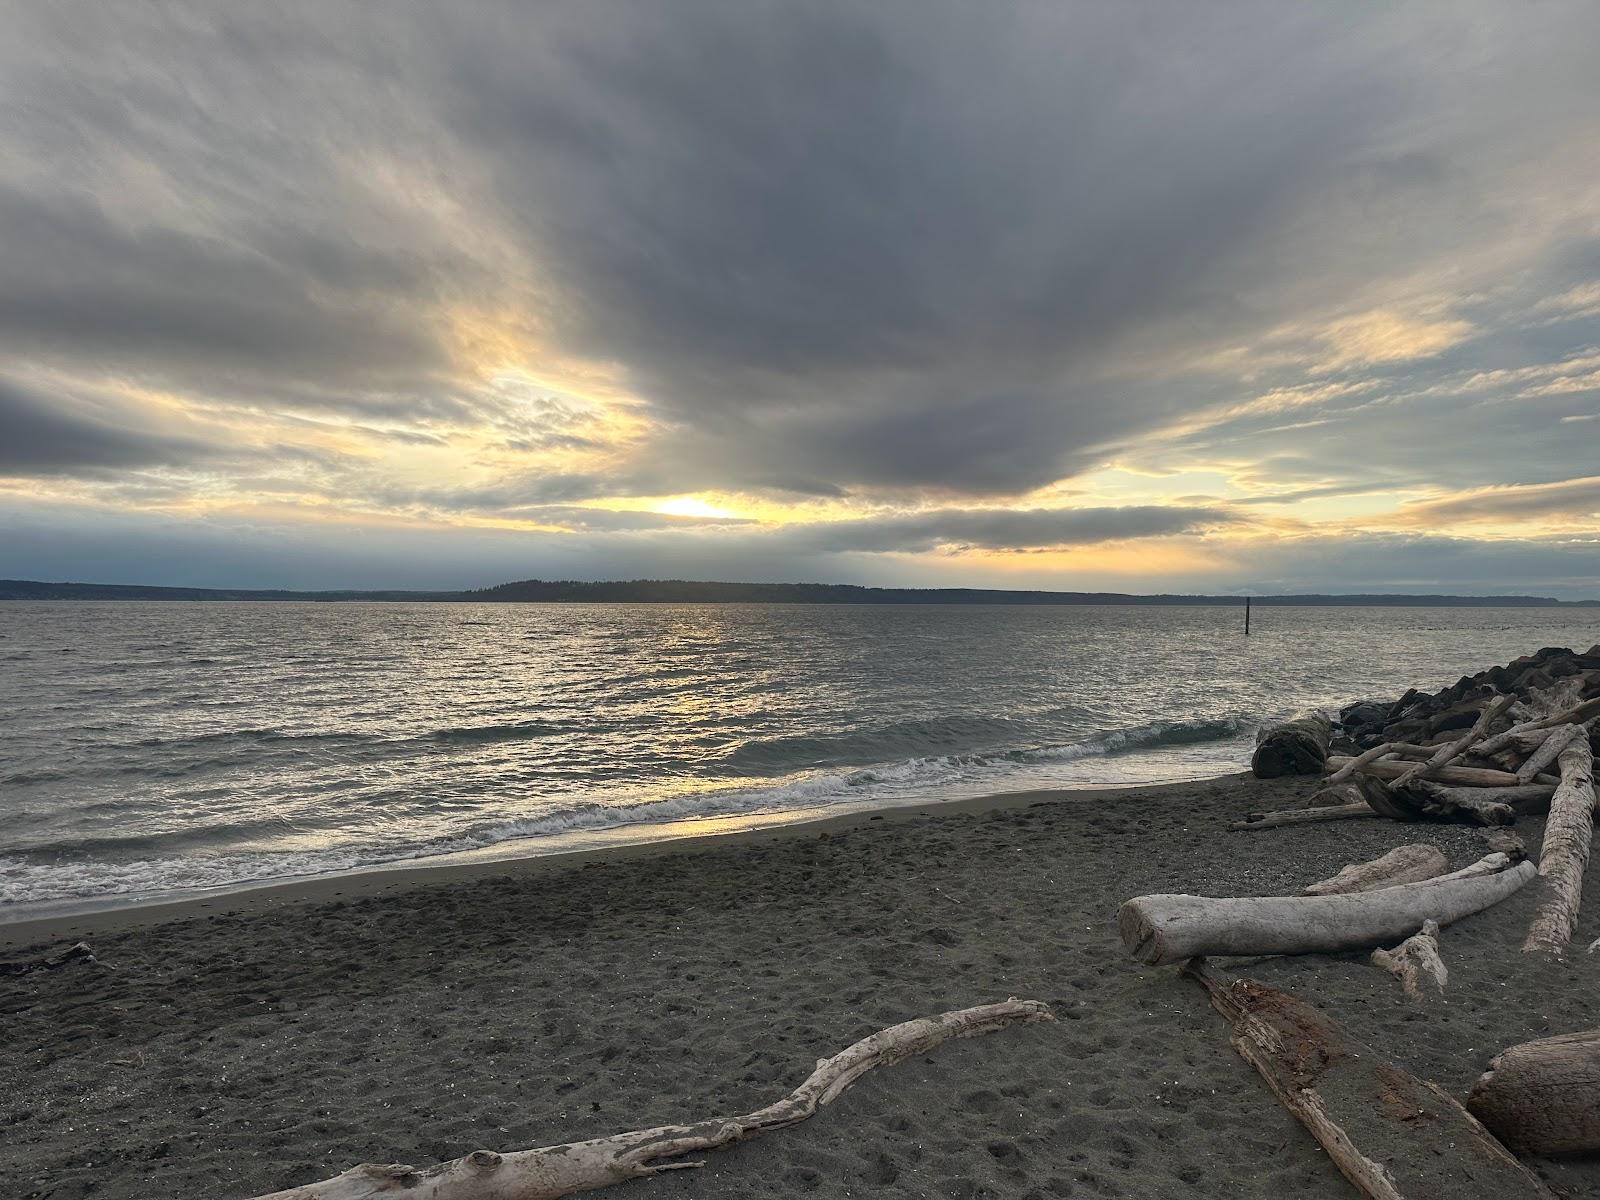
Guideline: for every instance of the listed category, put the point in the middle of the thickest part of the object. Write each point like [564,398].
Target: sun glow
[690,506]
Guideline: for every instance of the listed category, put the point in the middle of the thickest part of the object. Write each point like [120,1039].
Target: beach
[241,1044]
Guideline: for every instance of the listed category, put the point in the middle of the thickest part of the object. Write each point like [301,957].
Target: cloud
[1569,499]
[896,264]
[51,433]
[1000,529]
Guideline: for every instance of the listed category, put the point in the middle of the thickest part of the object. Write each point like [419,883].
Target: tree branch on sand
[553,1171]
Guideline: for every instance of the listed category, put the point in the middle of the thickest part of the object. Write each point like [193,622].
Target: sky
[1144,297]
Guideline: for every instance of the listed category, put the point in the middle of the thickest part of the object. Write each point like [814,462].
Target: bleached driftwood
[1549,749]
[1544,1097]
[1453,750]
[1352,765]
[1302,816]
[1169,928]
[1392,1135]
[1577,714]
[1524,798]
[1568,834]
[554,1171]
[48,961]
[1385,768]
[1422,799]
[1410,863]
[1295,747]
[1415,962]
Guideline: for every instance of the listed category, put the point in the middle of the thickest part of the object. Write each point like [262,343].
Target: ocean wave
[29,880]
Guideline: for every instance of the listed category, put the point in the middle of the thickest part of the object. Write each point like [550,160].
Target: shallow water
[152,747]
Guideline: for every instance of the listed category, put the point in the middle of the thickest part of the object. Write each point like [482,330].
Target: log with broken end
[584,1166]
[1549,749]
[1415,962]
[1295,747]
[1543,1097]
[1170,928]
[1568,834]
[1392,1135]
[1410,863]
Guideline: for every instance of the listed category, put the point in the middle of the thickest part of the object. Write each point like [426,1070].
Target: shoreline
[222,1053]
[484,863]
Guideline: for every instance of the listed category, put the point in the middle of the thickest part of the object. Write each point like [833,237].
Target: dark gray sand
[230,1054]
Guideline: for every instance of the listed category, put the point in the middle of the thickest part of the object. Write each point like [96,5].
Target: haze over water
[153,747]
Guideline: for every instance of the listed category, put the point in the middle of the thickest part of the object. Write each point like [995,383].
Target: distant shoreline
[675,591]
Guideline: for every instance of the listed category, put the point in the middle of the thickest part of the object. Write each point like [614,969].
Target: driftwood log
[1415,962]
[1424,800]
[1392,1135]
[1410,863]
[583,1166]
[1170,928]
[1568,834]
[1454,750]
[1544,1097]
[1385,768]
[1549,749]
[1296,747]
[1302,816]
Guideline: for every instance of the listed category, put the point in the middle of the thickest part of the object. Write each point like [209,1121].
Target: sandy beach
[279,1036]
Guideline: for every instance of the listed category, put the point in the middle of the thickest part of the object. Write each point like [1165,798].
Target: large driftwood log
[1526,798]
[1466,776]
[1170,928]
[583,1166]
[1392,1135]
[1424,800]
[1548,750]
[1410,863]
[1296,747]
[1544,1097]
[1568,834]
[1302,816]
[1453,750]
[1415,962]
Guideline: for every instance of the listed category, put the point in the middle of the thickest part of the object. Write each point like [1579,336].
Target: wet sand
[275,1037]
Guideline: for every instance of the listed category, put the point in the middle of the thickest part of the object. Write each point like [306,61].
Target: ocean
[156,749]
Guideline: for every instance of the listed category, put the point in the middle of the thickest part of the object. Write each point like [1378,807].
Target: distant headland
[682,591]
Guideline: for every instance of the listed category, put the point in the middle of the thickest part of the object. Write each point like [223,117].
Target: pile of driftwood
[1509,741]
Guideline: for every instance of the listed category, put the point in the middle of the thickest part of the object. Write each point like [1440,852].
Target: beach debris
[1543,1097]
[1162,929]
[1303,816]
[1568,835]
[552,1171]
[1394,768]
[1415,962]
[1551,742]
[1298,746]
[1451,751]
[1393,1135]
[1410,863]
[59,957]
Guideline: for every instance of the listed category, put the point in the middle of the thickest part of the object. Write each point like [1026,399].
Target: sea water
[157,748]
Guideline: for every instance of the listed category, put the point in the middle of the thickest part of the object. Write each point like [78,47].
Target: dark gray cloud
[49,434]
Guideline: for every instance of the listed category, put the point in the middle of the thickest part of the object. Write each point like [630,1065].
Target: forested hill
[679,591]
